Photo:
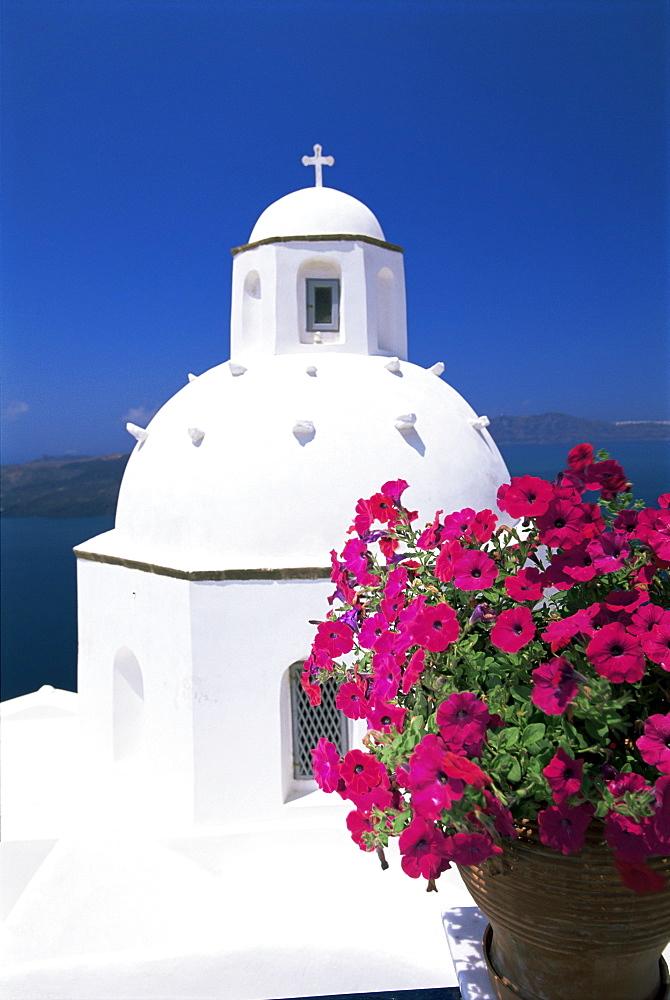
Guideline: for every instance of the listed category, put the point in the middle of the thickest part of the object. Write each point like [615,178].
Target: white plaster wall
[283,267]
[125,610]
[255,494]
[244,637]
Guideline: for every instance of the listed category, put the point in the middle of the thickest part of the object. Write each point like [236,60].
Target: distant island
[63,486]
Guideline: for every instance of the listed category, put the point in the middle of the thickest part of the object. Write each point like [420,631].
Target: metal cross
[317,162]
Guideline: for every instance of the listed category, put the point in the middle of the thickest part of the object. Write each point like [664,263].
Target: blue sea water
[38,644]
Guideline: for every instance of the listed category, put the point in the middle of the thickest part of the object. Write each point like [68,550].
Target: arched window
[310,723]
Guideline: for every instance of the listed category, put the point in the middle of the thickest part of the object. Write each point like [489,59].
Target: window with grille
[310,723]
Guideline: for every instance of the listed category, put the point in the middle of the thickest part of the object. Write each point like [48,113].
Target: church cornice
[289,573]
[333,238]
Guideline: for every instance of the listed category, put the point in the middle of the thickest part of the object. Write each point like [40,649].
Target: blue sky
[516,150]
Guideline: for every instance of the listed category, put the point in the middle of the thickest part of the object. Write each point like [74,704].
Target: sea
[38,642]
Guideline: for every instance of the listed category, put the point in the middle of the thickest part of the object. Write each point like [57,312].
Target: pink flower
[500,814]
[352,700]
[371,629]
[580,456]
[639,877]
[463,720]
[513,630]
[326,765]
[608,476]
[444,564]
[386,677]
[431,537]
[432,785]
[616,654]
[395,489]
[577,563]
[646,617]
[656,644]
[654,745]
[413,670]
[436,627]
[358,824]
[384,717]
[608,551]
[471,848]
[559,633]
[474,570]
[525,586]
[625,837]
[527,496]
[334,637]
[361,771]
[457,525]
[564,775]
[423,850]
[562,524]
[563,827]
[554,686]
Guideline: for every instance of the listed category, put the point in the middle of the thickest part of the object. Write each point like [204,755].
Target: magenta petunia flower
[433,788]
[513,630]
[527,496]
[626,837]
[458,524]
[558,634]
[385,677]
[639,877]
[554,686]
[384,717]
[423,850]
[334,638]
[474,570]
[430,538]
[435,628]
[646,617]
[616,654]
[361,771]
[371,629]
[656,644]
[358,824]
[471,848]
[450,551]
[326,765]
[580,456]
[395,489]
[578,563]
[608,476]
[609,551]
[463,720]
[654,745]
[564,775]
[500,814]
[562,524]
[352,700]
[413,670]
[563,827]
[525,586]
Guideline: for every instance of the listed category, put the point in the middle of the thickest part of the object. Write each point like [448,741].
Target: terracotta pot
[566,927]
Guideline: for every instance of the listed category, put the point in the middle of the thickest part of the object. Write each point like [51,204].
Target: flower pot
[565,926]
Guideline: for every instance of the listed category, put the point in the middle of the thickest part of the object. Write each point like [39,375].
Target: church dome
[316,211]
[262,468]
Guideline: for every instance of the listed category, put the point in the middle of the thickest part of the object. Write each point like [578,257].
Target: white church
[163,834]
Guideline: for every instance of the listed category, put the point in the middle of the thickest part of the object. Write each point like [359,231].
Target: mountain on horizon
[82,486]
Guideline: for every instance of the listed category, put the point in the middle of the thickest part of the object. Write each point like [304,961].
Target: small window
[310,723]
[323,304]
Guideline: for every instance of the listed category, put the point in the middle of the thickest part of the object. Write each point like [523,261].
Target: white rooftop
[316,211]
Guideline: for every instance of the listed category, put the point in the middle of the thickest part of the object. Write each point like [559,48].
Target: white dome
[316,211]
[259,490]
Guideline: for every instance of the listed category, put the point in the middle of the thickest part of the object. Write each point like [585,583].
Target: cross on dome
[317,162]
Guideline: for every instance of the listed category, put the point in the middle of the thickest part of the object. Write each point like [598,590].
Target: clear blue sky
[517,150]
